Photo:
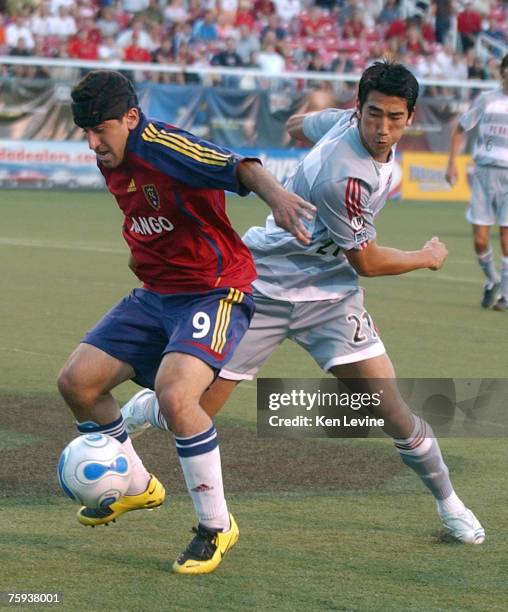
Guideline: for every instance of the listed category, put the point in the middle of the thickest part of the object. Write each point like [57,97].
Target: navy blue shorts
[146,325]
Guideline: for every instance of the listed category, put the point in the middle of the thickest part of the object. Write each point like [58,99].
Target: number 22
[359,321]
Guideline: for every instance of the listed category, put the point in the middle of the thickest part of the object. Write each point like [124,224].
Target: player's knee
[173,401]
[71,387]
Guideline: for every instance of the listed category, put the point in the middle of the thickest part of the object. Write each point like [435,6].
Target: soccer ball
[94,471]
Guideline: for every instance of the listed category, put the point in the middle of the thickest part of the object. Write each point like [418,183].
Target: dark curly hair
[102,95]
[391,79]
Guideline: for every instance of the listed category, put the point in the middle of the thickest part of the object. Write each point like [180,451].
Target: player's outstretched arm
[456,145]
[308,128]
[294,127]
[376,260]
[289,209]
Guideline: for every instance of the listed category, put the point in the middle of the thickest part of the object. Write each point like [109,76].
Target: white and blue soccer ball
[94,470]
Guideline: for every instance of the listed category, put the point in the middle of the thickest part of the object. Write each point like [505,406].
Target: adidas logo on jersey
[132,186]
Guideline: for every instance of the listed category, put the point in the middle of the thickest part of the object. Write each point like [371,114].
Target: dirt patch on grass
[249,464]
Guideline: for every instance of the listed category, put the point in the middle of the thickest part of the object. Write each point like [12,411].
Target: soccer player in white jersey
[310,294]
[489,198]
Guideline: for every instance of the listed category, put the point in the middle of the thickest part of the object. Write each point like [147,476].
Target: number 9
[200,322]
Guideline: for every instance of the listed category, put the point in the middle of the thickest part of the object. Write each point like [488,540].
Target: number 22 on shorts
[362,324]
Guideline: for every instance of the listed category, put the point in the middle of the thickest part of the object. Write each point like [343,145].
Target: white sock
[200,460]
[422,454]
[139,474]
[486,261]
[452,504]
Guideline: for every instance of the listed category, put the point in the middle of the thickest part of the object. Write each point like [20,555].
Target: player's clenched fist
[437,251]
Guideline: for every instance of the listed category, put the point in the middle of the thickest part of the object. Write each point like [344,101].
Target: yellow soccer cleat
[206,549]
[151,498]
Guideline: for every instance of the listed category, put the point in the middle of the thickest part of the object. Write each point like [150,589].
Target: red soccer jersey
[83,49]
[170,188]
[133,53]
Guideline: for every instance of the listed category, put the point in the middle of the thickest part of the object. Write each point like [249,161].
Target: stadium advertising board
[423,177]
[48,165]
[71,165]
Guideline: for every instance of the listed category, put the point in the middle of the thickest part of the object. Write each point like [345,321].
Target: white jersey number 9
[201,323]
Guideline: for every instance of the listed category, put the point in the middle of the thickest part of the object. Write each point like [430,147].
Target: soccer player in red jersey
[174,334]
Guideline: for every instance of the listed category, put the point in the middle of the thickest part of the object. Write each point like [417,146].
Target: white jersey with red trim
[348,188]
[490,112]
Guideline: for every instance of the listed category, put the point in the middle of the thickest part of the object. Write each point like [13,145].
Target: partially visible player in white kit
[489,198]
[310,294]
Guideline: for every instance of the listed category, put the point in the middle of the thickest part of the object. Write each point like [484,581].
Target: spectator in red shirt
[94,33]
[312,22]
[3,42]
[425,27]
[80,47]
[396,29]
[264,8]
[355,26]
[135,53]
[399,27]
[413,41]
[469,23]
[244,15]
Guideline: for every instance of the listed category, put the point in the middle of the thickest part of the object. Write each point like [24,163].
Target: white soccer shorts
[334,332]
[489,196]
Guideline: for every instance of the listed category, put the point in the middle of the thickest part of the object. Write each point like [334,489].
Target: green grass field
[326,524]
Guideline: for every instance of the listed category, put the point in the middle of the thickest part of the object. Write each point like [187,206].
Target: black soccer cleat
[501,304]
[490,295]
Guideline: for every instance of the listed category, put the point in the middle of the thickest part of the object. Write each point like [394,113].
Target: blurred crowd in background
[436,38]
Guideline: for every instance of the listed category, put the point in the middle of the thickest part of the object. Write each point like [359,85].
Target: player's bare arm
[376,260]
[294,127]
[455,148]
[288,209]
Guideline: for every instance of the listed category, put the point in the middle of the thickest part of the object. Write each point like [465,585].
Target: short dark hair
[391,79]
[504,63]
[102,95]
